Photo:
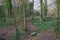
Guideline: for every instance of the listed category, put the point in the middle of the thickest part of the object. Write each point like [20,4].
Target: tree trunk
[6,10]
[41,10]
[32,16]
[58,7]
[24,14]
[45,8]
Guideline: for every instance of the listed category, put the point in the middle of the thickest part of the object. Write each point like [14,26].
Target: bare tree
[45,8]
[41,10]
[58,7]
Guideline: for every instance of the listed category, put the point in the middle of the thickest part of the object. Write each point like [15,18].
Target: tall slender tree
[8,7]
[57,31]
[5,8]
[9,2]
[41,10]
[15,15]
[32,9]
[45,8]
[58,7]
[23,11]
[24,15]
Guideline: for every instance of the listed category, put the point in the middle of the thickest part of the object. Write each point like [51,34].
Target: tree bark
[41,10]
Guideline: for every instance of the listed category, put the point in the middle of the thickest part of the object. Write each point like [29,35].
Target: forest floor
[9,30]
[41,35]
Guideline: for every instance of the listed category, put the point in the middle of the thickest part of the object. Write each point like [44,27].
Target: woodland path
[41,35]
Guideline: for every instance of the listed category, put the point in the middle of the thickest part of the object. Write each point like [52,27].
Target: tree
[58,7]
[9,4]
[45,8]
[5,8]
[24,15]
[23,11]
[32,9]
[57,26]
[41,10]
[29,8]
[8,8]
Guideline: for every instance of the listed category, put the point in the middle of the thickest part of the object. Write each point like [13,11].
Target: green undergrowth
[57,28]
[43,25]
[4,23]
[19,33]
